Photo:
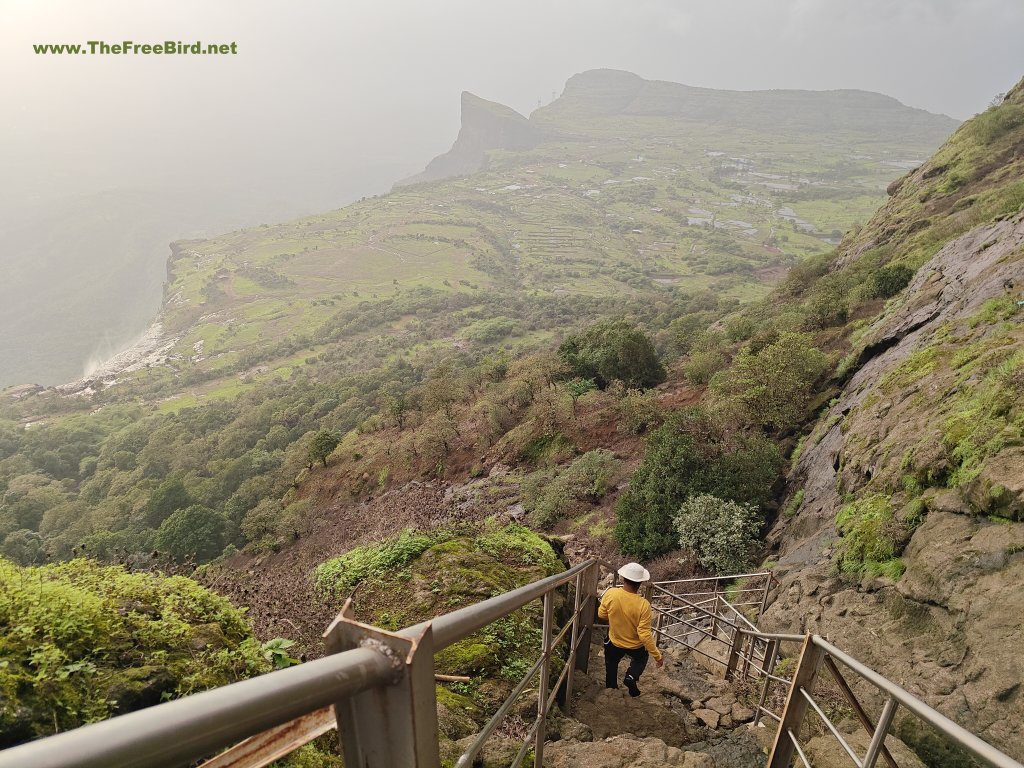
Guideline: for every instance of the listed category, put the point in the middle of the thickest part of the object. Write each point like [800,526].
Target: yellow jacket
[629,620]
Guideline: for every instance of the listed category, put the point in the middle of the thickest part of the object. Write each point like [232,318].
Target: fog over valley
[106,158]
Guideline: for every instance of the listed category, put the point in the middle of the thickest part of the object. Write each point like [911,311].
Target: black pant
[613,655]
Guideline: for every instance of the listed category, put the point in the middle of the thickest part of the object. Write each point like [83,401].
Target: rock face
[935,367]
[622,752]
[486,125]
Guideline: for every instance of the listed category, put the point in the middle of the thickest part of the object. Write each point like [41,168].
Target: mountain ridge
[609,92]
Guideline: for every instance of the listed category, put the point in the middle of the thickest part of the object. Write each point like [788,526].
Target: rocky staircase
[684,716]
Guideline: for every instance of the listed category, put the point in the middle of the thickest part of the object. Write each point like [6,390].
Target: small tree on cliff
[323,445]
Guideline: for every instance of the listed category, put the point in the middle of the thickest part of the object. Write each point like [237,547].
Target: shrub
[614,350]
[888,281]
[773,387]
[996,122]
[80,642]
[687,456]
[826,304]
[702,365]
[490,331]
[721,534]
[585,481]
[639,412]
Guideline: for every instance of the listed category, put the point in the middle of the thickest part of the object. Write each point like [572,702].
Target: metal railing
[709,624]
[376,687]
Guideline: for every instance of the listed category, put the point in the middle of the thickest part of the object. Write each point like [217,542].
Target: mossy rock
[138,687]
[464,566]
[80,642]
[457,715]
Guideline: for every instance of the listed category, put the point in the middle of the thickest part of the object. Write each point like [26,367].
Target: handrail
[731,577]
[822,652]
[460,624]
[180,731]
[184,730]
[937,720]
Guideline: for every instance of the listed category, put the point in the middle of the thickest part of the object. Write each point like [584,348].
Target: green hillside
[273,332]
[638,336]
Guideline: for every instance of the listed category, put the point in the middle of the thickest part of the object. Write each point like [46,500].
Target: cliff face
[923,449]
[486,125]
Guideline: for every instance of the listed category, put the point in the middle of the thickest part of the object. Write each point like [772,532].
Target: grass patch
[872,539]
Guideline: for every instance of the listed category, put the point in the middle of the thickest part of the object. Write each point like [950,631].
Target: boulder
[622,752]
[709,717]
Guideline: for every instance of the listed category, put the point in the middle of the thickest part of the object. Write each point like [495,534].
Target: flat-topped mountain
[597,102]
[607,92]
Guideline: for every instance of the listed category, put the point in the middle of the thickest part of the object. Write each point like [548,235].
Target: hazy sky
[329,89]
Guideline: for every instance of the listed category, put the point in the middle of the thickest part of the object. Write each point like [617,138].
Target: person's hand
[660,662]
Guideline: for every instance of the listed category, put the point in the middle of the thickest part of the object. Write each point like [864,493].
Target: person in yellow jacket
[629,629]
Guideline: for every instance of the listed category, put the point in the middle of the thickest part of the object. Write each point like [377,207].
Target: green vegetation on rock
[872,539]
[417,576]
[80,642]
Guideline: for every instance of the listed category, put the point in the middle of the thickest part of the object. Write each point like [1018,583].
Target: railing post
[878,739]
[394,724]
[768,668]
[750,643]
[714,614]
[764,597]
[858,709]
[734,652]
[545,670]
[573,642]
[811,657]
[591,577]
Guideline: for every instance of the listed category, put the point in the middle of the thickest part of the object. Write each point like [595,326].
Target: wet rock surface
[949,630]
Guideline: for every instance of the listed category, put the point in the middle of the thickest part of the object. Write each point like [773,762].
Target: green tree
[773,387]
[170,496]
[721,534]
[24,547]
[690,455]
[323,445]
[614,350]
[195,532]
[395,402]
[577,388]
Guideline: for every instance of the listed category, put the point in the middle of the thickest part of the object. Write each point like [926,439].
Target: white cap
[634,572]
